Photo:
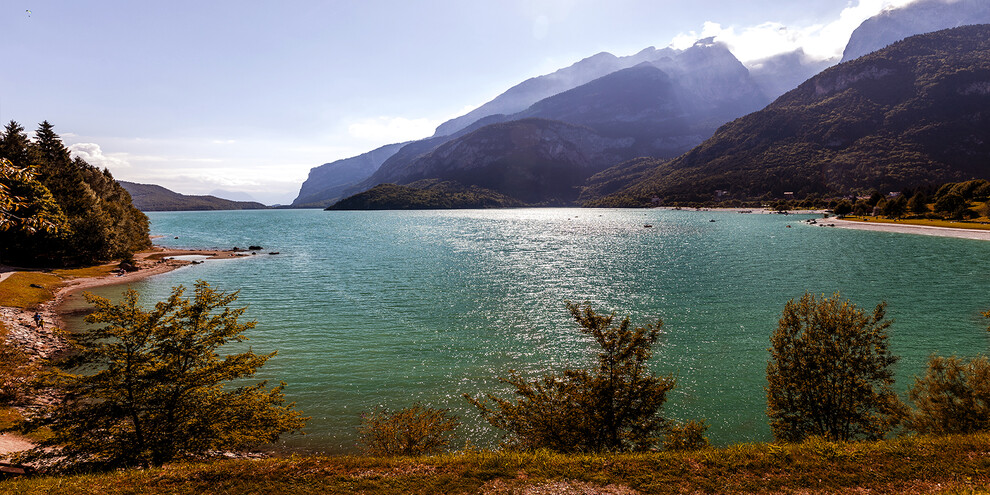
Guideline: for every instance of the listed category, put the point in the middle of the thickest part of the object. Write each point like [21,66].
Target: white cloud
[819,41]
[391,129]
[93,154]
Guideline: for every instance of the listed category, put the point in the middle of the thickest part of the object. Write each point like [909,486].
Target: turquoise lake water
[390,308]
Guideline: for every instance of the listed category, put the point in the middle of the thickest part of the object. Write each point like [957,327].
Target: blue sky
[248,96]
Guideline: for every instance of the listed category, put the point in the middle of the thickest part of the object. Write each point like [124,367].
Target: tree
[952,397]
[830,372]
[895,208]
[415,430]
[145,387]
[97,220]
[918,204]
[24,203]
[843,208]
[613,406]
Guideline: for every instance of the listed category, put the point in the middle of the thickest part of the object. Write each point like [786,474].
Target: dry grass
[978,224]
[911,465]
[16,290]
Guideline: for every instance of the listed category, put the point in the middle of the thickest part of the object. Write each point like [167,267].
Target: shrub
[952,397]
[146,387]
[830,372]
[689,435]
[612,407]
[415,430]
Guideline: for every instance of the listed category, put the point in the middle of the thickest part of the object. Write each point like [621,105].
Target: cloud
[392,129]
[93,154]
[819,41]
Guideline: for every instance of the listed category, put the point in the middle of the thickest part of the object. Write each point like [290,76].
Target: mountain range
[149,197]
[662,106]
[913,113]
[656,104]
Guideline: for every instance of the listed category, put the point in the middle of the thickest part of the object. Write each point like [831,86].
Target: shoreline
[981,235]
[51,339]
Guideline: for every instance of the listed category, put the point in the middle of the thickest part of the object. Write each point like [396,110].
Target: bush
[415,430]
[612,407]
[952,397]
[686,436]
[830,372]
[147,387]
[16,370]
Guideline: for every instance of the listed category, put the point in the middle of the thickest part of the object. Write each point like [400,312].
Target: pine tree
[147,387]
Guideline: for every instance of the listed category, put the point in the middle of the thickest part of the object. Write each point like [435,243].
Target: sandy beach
[49,340]
[983,235]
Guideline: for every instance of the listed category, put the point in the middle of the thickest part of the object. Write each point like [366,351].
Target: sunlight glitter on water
[387,308]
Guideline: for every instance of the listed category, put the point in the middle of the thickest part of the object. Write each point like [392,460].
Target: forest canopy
[88,216]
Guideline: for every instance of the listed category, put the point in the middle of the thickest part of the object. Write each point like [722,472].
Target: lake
[372,309]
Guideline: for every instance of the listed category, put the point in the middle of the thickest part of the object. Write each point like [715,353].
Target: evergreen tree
[146,387]
[15,146]
[614,406]
[97,220]
[830,372]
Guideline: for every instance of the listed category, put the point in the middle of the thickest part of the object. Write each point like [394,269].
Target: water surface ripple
[389,308]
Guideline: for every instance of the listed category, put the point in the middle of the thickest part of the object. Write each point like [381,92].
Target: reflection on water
[388,308]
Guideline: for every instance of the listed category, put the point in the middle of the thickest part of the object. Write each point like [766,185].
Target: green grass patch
[955,224]
[92,271]
[16,290]
[954,464]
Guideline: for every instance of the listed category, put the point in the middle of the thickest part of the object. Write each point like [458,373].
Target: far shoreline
[928,230]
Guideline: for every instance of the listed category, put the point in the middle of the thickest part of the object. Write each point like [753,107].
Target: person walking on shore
[38,321]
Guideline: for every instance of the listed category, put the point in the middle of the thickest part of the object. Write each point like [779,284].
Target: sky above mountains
[247,96]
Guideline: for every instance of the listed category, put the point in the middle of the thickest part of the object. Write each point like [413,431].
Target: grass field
[955,224]
[16,290]
[908,465]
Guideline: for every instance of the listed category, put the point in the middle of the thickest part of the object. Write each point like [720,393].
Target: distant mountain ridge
[915,112]
[923,16]
[609,94]
[149,197]
[658,108]
[329,181]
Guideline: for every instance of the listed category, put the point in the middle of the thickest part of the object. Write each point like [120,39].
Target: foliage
[843,208]
[689,435]
[612,407]
[912,465]
[16,370]
[146,387]
[830,372]
[412,431]
[918,204]
[71,212]
[426,194]
[24,203]
[952,397]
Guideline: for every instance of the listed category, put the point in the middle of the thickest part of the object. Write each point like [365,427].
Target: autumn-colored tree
[952,397]
[830,372]
[147,387]
[614,406]
[415,430]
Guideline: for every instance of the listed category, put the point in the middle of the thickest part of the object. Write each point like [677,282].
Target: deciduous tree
[952,397]
[149,386]
[613,406]
[830,372]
